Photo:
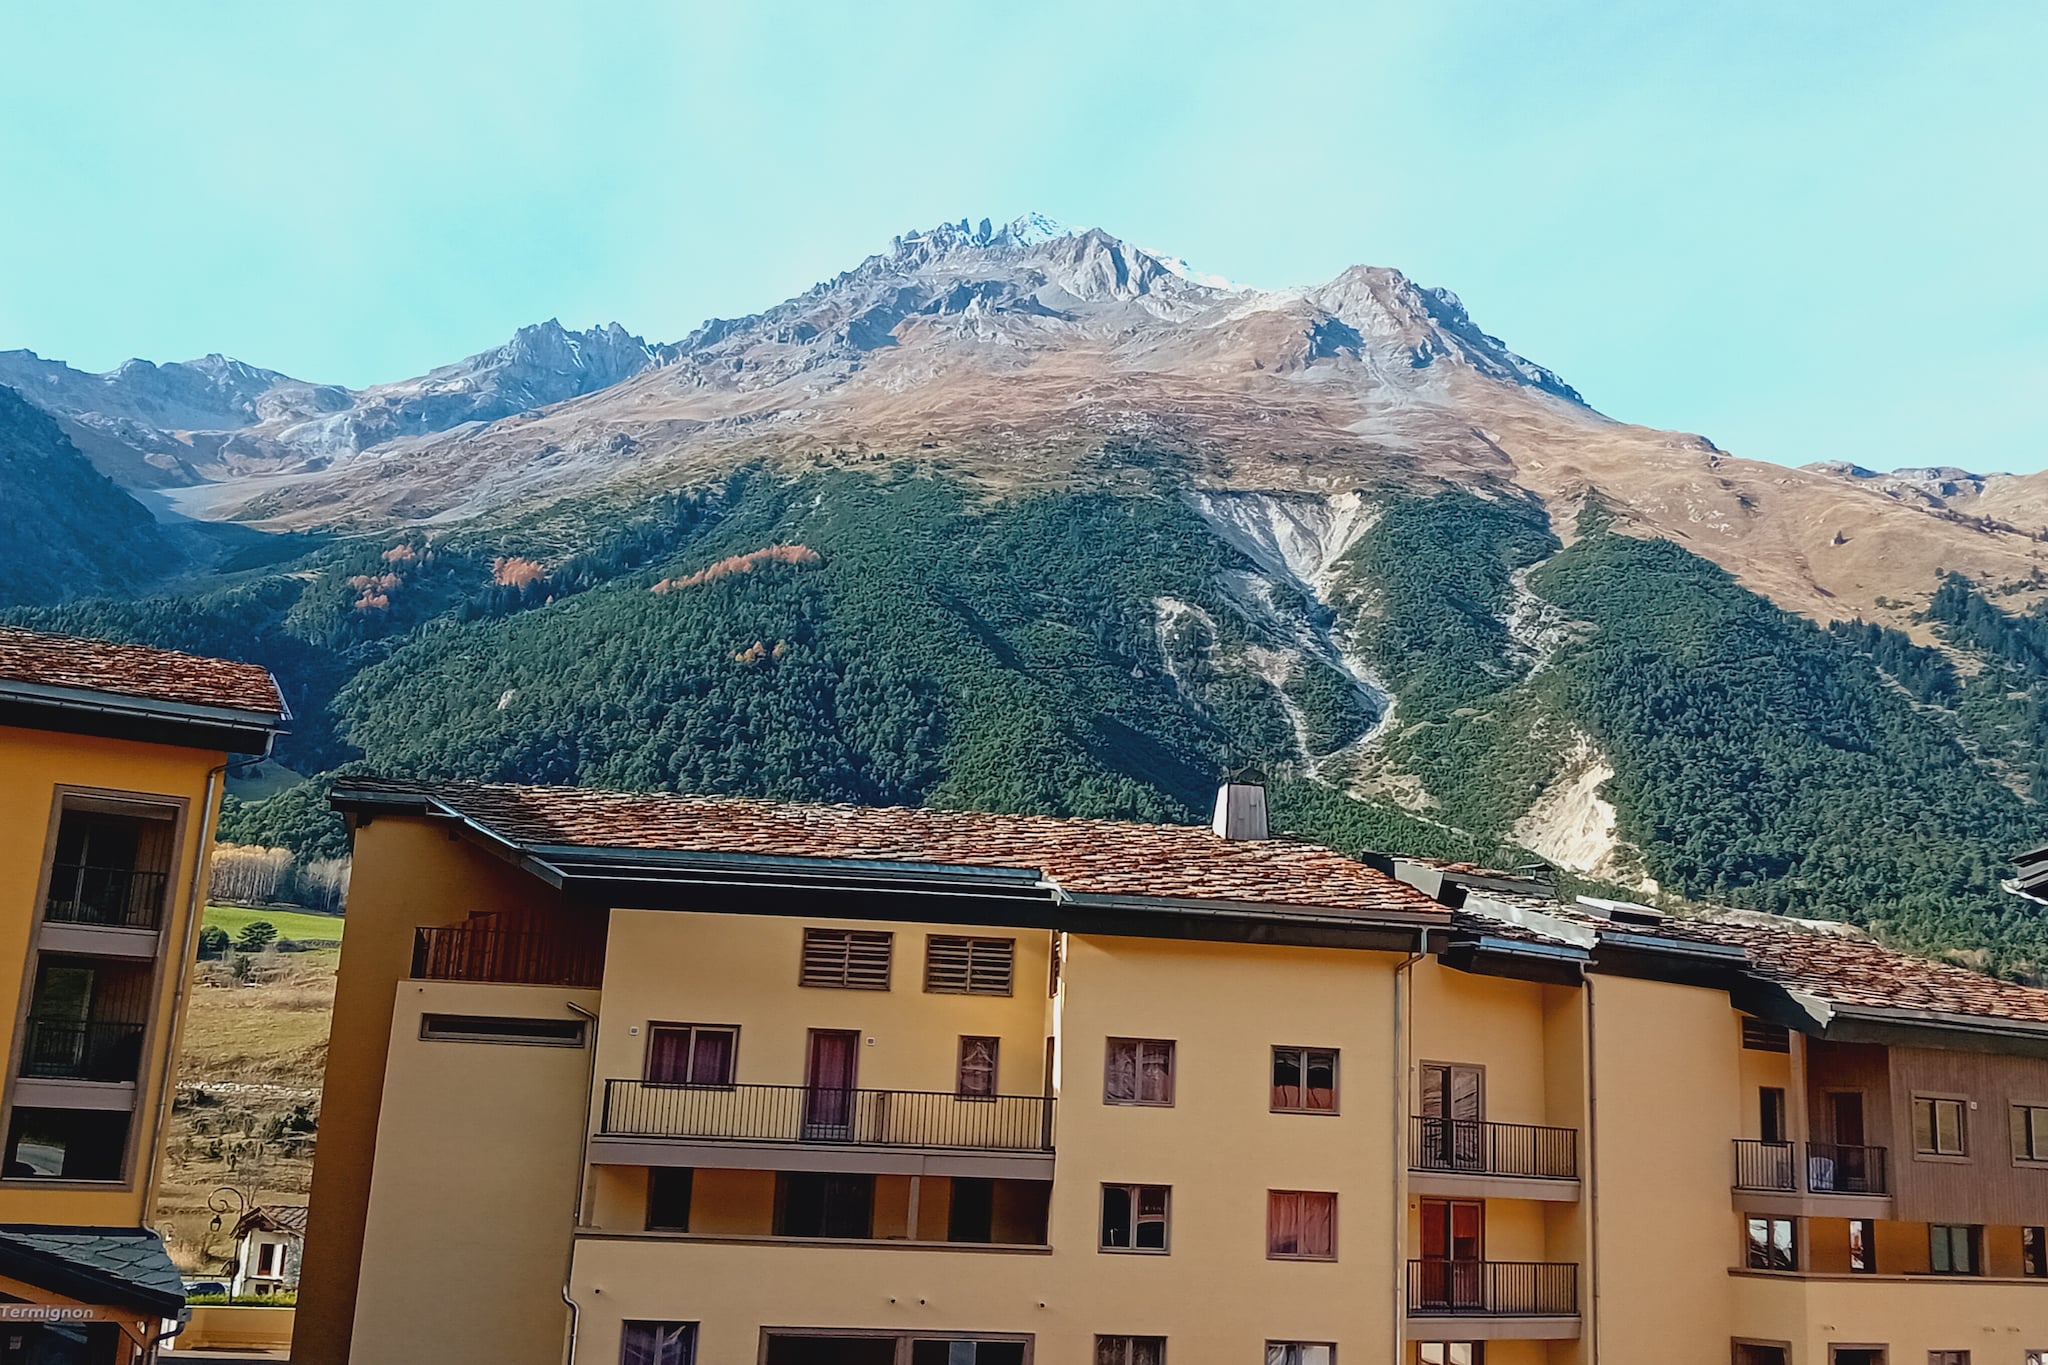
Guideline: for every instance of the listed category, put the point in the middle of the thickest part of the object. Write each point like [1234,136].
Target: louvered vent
[968,966]
[1759,1036]
[850,959]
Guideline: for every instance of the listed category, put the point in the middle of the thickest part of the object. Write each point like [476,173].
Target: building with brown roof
[682,1079]
[114,758]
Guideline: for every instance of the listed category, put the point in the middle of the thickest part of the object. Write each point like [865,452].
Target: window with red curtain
[691,1054]
[1301,1225]
[1305,1080]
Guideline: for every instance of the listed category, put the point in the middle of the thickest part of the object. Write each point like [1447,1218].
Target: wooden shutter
[968,966]
[848,959]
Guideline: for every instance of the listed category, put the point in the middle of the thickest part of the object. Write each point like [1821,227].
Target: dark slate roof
[286,1218]
[116,1267]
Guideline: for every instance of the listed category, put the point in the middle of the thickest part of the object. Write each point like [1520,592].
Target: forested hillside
[1113,651]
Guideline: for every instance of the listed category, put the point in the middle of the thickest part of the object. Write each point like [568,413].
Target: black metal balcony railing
[520,957]
[120,897]
[1831,1168]
[1765,1165]
[68,1050]
[796,1113]
[1469,1146]
[1496,1289]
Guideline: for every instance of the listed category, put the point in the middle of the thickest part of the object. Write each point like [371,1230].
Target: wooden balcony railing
[118,897]
[827,1115]
[482,951]
[1493,1289]
[1831,1168]
[1473,1147]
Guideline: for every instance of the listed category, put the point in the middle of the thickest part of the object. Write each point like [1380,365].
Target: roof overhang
[113,715]
[103,1285]
[937,893]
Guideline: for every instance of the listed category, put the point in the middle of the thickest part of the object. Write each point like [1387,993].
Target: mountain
[1026,517]
[69,530]
[211,420]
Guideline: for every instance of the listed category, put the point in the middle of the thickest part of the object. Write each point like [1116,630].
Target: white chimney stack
[1241,811]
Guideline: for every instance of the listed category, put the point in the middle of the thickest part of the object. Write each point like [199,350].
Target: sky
[1807,231]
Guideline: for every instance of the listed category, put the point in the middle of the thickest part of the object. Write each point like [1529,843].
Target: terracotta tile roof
[1084,857]
[1837,963]
[135,671]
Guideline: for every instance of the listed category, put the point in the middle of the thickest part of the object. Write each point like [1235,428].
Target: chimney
[1241,809]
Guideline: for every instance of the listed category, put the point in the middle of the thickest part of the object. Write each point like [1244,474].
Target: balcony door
[1453,1247]
[828,1085]
[1851,1155]
[1453,1116]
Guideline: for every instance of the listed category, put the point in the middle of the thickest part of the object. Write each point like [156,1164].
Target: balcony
[1468,1158]
[825,1116]
[482,950]
[1830,1169]
[105,897]
[1493,1289]
[70,1050]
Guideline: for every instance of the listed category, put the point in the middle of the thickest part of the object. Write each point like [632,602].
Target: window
[1130,1351]
[1450,1353]
[2037,1358]
[1952,1248]
[1139,1071]
[1862,1246]
[269,1260]
[2030,1132]
[691,1054]
[668,1198]
[976,1079]
[1454,1092]
[66,1144]
[962,1351]
[824,1204]
[111,864]
[1770,1117]
[1301,1226]
[968,966]
[483,1028]
[1761,1353]
[2034,1251]
[971,1209]
[1772,1244]
[846,959]
[1305,1080]
[1948,1358]
[1938,1126]
[1300,1353]
[1134,1217]
[1758,1036]
[658,1343]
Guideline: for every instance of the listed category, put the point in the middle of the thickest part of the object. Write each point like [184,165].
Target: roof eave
[117,715]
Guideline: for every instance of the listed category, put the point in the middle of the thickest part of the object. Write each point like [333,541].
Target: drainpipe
[582,1181]
[1592,1183]
[1399,1109]
[181,978]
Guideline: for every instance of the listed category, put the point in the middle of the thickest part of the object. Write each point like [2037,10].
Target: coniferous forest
[901,639]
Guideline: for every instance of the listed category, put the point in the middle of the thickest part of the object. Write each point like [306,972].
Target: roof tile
[135,671]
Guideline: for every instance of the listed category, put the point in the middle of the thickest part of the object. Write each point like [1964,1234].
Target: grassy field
[292,924]
[255,1053]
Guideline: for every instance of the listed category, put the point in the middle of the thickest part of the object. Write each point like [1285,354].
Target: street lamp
[220,1203]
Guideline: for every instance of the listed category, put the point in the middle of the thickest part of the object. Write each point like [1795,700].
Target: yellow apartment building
[113,758]
[654,1080]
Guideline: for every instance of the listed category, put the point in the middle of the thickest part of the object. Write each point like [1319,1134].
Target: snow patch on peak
[1033,228]
[1180,267]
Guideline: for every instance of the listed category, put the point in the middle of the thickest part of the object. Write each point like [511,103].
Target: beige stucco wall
[36,763]
[478,1146]
[1997,1322]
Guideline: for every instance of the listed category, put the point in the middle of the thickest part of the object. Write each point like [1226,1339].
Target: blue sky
[1809,231]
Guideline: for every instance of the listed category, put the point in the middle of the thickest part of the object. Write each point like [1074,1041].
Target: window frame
[732,1056]
[1128,1344]
[1770,1243]
[1934,1099]
[1297,1344]
[2029,1136]
[1973,1234]
[693,1329]
[995,1062]
[689,1200]
[1134,1193]
[1272,1197]
[1172,1047]
[1477,1349]
[2034,1258]
[972,942]
[1948,1357]
[845,983]
[1869,1240]
[1303,1054]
